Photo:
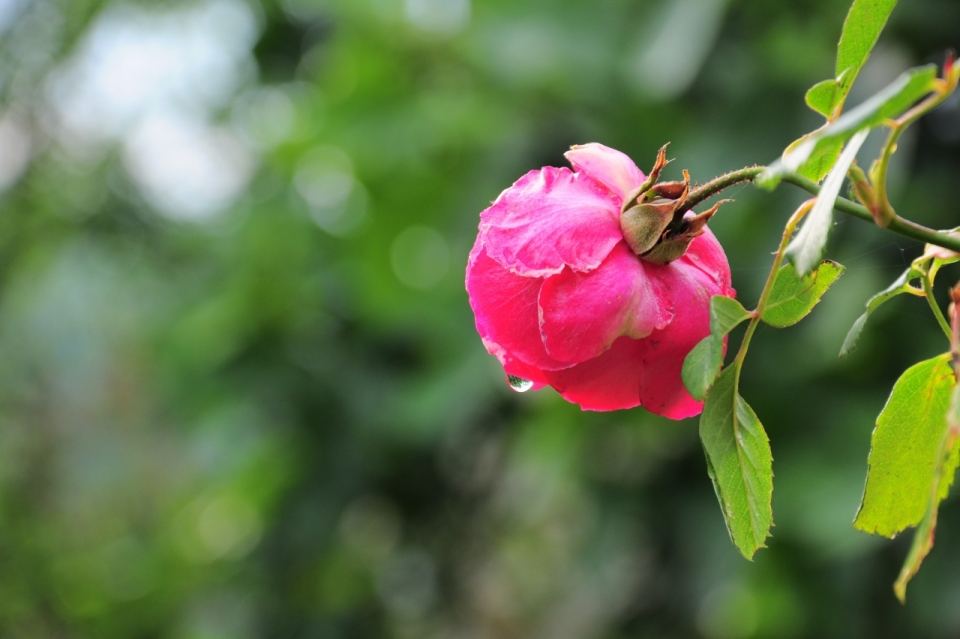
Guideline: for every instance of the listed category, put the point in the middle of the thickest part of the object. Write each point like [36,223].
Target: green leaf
[793,297]
[822,97]
[826,97]
[701,366]
[703,363]
[905,449]
[861,29]
[739,463]
[900,285]
[863,25]
[889,103]
[818,165]
[948,459]
[805,250]
[920,547]
[725,314]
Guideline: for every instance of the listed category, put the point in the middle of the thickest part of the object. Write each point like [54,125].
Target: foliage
[913,455]
[272,417]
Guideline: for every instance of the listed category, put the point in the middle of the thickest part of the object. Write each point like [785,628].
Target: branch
[898,225]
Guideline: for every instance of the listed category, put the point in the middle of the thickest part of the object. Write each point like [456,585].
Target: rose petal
[513,366]
[549,219]
[581,314]
[662,353]
[507,315]
[647,371]
[706,254]
[608,166]
[608,382]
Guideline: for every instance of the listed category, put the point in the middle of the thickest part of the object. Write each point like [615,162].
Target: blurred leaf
[861,29]
[900,285]
[739,462]
[818,165]
[826,97]
[822,97]
[890,102]
[948,457]
[905,449]
[703,363]
[805,250]
[920,547]
[793,297]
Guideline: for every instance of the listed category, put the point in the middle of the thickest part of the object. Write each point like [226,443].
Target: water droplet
[519,384]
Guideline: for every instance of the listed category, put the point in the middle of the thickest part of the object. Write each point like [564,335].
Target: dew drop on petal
[519,384]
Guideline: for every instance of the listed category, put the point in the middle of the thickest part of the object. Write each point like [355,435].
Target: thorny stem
[898,225]
[771,278]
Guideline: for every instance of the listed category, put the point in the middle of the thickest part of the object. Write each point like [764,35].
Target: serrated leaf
[793,297]
[900,285]
[889,103]
[702,364]
[905,447]
[861,29]
[948,458]
[805,250]
[740,463]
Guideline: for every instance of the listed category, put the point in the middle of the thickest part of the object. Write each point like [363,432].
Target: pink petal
[706,254]
[608,382]
[581,314]
[647,371]
[662,353]
[549,219]
[507,315]
[608,166]
[513,366]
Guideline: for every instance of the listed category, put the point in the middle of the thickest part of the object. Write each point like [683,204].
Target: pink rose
[561,300]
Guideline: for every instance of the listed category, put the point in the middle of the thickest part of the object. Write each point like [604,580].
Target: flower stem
[898,225]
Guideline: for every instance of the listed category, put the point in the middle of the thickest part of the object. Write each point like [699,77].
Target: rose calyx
[656,224]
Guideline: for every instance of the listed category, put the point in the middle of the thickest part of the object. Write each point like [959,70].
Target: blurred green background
[241,393]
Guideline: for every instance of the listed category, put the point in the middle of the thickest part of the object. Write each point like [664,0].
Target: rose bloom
[561,300]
